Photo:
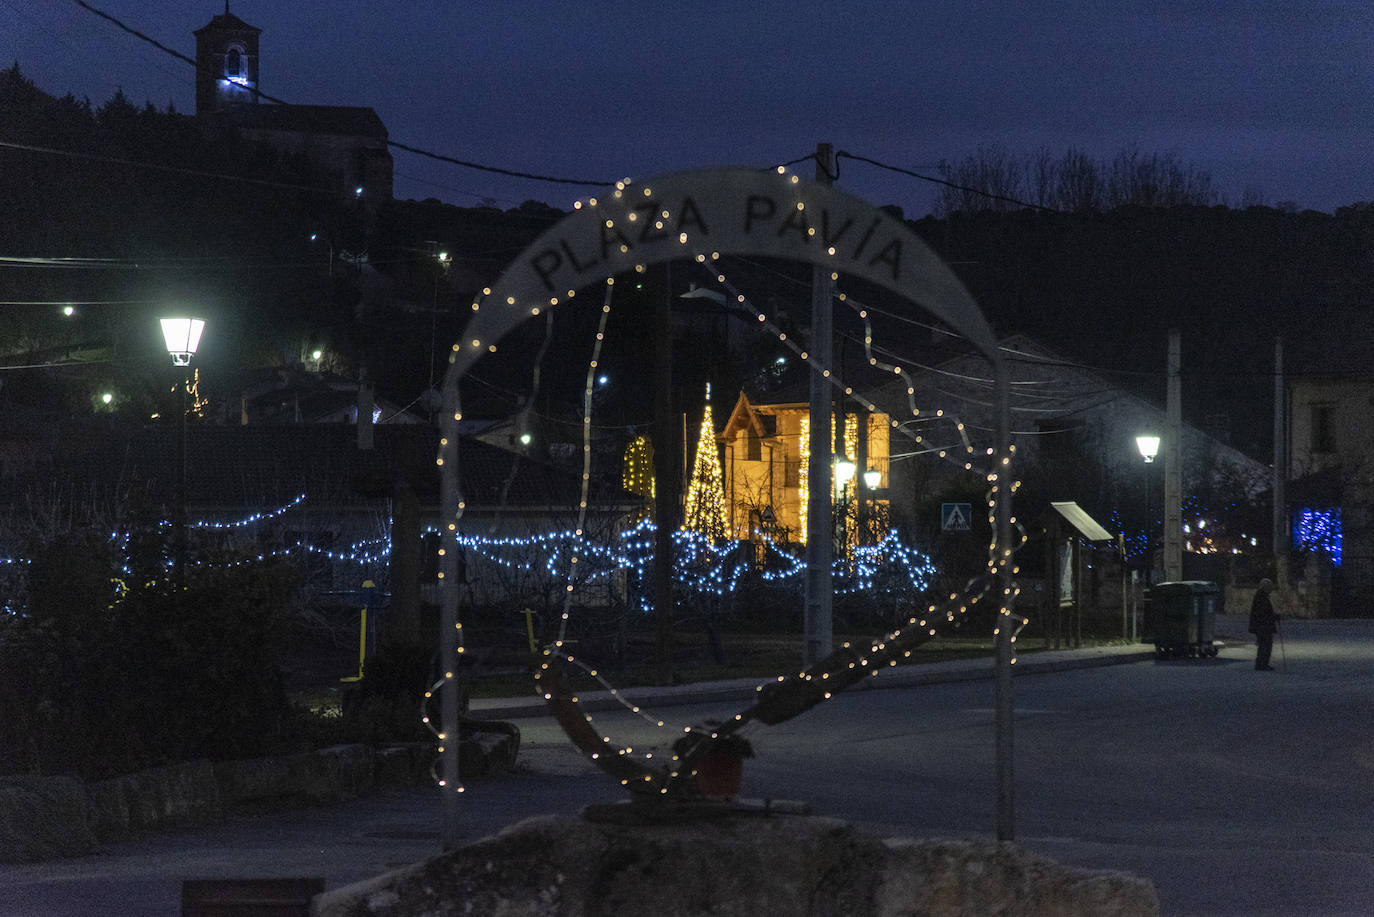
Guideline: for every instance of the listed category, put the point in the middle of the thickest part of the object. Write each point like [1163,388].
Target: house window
[753,447]
[791,473]
[1323,428]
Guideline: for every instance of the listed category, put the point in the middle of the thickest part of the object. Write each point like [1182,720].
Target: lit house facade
[765,469]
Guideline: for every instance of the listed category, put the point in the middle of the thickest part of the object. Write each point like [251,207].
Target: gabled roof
[744,416]
[227,22]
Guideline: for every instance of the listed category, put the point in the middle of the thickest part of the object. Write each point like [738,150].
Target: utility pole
[816,616]
[1280,533]
[1173,460]
[1003,698]
[667,480]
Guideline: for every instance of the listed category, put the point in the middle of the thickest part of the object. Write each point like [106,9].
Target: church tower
[226,63]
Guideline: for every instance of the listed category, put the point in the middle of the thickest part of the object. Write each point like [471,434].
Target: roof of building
[227,22]
[337,120]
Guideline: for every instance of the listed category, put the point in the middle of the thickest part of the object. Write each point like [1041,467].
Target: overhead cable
[940,181]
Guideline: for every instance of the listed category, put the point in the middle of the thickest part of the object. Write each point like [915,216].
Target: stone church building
[350,141]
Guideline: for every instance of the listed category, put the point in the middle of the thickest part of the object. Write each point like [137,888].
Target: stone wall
[735,866]
[48,817]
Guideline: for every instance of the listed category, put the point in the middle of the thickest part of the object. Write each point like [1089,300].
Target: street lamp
[1149,448]
[183,337]
[872,478]
[844,473]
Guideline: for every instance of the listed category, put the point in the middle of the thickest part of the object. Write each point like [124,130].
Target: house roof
[227,22]
[338,120]
[292,395]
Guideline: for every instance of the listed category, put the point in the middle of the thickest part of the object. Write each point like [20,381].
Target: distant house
[767,453]
[1330,491]
[350,141]
[296,395]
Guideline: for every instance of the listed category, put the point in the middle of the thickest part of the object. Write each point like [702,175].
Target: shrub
[96,682]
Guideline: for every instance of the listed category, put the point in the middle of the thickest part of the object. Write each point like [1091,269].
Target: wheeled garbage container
[1181,617]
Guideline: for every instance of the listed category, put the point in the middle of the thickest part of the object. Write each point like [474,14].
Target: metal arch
[725,211]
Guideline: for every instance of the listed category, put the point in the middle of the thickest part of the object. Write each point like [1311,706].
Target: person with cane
[1263,624]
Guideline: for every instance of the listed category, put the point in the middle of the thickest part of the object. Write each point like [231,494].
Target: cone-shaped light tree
[705,509]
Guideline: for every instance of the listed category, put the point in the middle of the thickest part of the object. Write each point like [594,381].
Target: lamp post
[442,260]
[1149,448]
[844,471]
[182,336]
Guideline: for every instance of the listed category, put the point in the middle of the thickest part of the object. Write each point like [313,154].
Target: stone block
[42,818]
[329,775]
[402,766]
[177,794]
[734,866]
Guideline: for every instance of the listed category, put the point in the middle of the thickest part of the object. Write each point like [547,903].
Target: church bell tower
[226,63]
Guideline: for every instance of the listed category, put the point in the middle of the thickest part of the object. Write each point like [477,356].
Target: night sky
[1271,98]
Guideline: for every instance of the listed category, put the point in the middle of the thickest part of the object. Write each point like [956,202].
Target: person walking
[1263,623]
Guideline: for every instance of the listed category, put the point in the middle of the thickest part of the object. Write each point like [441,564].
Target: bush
[107,675]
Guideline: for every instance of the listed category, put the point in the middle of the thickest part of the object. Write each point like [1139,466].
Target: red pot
[719,775]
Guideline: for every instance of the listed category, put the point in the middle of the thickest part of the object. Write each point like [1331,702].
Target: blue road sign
[956,517]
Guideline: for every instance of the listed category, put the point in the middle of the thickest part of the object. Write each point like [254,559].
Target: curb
[744,689]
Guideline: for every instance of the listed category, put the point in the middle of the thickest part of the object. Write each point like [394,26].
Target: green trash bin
[1181,618]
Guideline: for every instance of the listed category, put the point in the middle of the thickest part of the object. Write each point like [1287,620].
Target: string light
[705,505]
[700,563]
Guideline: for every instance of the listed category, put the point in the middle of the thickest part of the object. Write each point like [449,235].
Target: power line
[53,365]
[217,262]
[939,181]
[74,302]
[197,173]
[497,170]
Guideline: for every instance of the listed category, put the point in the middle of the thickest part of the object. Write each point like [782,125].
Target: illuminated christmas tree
[637,472]
[705,509]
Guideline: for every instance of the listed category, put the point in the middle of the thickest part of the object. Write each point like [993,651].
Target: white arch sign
[727,211]
[710,212]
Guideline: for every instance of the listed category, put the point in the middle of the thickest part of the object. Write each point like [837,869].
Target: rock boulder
[734,866]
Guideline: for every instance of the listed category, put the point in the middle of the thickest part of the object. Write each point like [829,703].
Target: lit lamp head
[182,336]
[872,478]
[844,471]
[1148,446]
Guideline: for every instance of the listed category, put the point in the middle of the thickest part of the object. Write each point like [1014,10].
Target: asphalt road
[1237,792]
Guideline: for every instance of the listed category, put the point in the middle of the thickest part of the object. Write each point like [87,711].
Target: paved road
[1237,792]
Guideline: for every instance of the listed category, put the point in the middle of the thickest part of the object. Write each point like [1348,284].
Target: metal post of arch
[722,211]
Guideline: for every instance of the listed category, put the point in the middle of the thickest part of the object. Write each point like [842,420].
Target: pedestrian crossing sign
[956,517]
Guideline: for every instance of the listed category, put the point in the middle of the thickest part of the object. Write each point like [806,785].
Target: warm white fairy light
[704,509]
[882,653]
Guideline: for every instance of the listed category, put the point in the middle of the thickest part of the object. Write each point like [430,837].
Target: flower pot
[719,775]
